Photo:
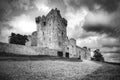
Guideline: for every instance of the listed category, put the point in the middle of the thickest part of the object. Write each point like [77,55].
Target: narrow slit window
[43,33]
[44,23]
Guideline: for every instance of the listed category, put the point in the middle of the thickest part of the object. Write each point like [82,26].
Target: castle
[52,34]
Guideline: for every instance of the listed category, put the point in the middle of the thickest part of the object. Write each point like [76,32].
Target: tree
[98,56]
[18,39]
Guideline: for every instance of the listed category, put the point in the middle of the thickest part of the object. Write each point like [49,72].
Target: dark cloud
[10,8]
[3,33]
[112,46]
[110,43]
[60,4]
[108,5]
[108,49]
[87,34]
[5,9]
[2,12]
[79,3]
[4,25]
[103,29]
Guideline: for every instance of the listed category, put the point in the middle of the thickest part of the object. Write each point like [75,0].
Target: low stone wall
[45,51]
[25,50]
[17,49]
[29,50]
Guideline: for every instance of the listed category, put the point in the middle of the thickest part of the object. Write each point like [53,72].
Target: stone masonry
[52,34]
[51,30]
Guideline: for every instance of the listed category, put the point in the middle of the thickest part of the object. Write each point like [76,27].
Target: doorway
[60,53]
[67,55]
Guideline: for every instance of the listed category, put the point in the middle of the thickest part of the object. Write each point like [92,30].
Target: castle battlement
[51,30]
[53,15]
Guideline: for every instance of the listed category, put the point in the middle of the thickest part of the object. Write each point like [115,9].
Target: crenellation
[38,19]
[64,21]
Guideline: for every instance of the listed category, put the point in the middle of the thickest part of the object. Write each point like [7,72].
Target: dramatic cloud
[93,23]
[8,10]
[4,31]
[99,41]
[42,6]
[75,21]
[90,42]
[101,29]
[110,50]
[60,4]
[98,17]
[23,24]
[86,34]
[108,5]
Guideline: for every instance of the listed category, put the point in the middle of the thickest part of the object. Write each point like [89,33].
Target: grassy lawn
[105,72]
[56,69]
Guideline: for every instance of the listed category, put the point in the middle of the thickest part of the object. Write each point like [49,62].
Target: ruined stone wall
[80,52]
[17,49]
[72,48]
[29,42]
[85,55]
[34,39]
[25,50]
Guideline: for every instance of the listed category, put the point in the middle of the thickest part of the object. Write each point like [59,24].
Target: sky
[93,23]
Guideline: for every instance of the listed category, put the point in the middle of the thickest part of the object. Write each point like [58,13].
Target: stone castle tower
[51,30]
[51,37]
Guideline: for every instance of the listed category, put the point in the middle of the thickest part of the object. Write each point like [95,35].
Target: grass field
[23,68]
